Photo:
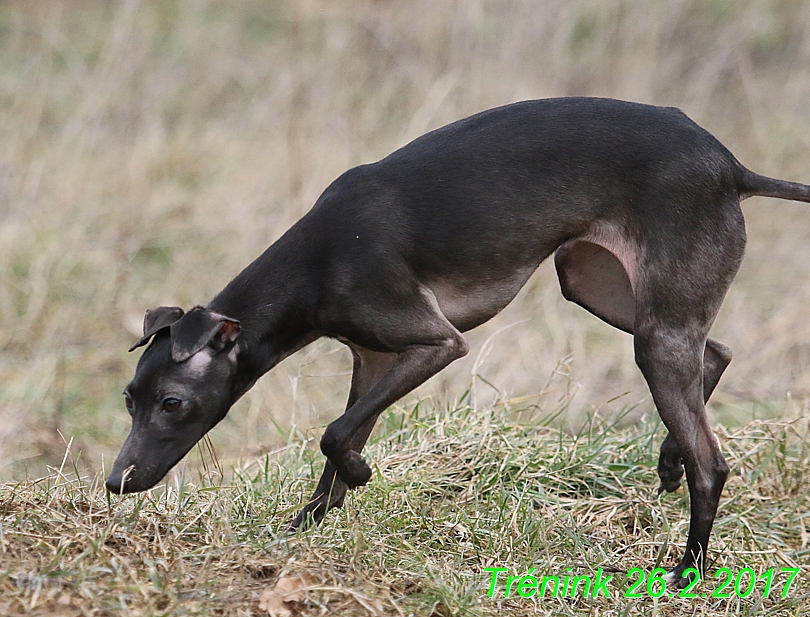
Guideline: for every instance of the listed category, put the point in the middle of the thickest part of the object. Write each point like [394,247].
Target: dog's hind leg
[667,295]
[716,358]
[593,275]
[677,300]
[368,368]
[670,358]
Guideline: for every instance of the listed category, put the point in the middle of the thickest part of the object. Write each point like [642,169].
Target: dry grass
[150,150]
[454,492]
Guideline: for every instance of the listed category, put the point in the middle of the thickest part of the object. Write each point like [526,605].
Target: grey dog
[640,206]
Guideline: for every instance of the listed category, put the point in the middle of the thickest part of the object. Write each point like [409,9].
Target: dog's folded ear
[156,319]
[199,328]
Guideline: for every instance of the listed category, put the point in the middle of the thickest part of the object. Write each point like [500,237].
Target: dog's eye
[130,404]
[171,404]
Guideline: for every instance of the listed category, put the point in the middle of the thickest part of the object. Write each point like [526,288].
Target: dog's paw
[311,515]
[669,486]
[353,469]
[330,494]
[671,474]
[675,578]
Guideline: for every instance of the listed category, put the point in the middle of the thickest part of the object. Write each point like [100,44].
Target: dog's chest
[469,306]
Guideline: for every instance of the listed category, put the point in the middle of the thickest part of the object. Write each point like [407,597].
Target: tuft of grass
[454,491]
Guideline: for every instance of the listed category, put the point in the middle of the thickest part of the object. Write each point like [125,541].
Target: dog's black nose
[113,482]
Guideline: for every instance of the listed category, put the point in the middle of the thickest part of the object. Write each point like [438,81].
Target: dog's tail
[753,184]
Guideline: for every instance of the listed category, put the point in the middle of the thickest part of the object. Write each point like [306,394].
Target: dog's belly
[468,306]
[598,270]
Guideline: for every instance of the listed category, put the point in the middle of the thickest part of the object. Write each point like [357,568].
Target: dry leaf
[287,589]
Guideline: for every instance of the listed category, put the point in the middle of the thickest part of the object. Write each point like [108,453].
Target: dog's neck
[273,298]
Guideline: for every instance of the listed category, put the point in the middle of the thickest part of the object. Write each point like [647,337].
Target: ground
[454,493]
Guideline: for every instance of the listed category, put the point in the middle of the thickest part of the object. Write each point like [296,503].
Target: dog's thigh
[597,272]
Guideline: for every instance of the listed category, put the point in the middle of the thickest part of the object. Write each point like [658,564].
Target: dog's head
[183,386]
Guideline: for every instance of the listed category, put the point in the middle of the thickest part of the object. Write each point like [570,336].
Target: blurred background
[150,150]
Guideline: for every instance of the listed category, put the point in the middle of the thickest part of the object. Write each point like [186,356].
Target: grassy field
[453,493]
[150,150]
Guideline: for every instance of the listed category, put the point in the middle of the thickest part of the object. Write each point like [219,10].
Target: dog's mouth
[128,477]
[122,482]
[129,481]
[134,478]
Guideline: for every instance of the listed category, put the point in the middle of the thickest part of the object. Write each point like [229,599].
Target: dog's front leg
[413,366]
[414,340]
[367,369]
[331,490]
